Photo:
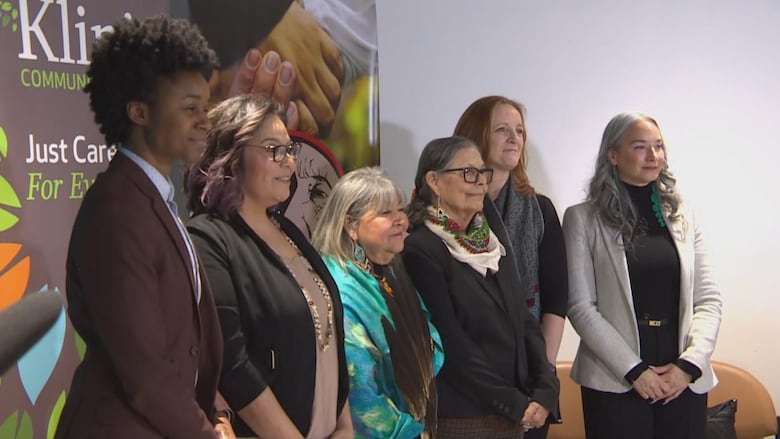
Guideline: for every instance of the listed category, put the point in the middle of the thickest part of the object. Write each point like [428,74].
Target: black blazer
[266,324]
[494,353]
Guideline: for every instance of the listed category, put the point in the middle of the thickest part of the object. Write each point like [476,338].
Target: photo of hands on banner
[319,59]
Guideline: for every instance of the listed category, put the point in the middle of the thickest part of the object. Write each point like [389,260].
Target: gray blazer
[601,307]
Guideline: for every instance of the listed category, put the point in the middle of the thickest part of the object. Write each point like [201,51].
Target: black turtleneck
[654,271]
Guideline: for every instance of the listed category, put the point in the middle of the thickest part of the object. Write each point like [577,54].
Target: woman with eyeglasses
[284,368]
[496,381]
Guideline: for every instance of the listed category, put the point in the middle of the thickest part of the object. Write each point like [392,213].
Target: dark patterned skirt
[484,427]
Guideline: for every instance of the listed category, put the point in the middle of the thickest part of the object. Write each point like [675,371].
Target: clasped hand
[658,383]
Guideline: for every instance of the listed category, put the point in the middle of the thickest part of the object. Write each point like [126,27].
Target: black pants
[626,415]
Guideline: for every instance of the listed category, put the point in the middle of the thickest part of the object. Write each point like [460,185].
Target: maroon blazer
[131,296]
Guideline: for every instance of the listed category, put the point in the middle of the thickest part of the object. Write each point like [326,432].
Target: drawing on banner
[316,173]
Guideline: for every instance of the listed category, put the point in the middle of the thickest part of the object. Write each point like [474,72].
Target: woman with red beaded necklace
[496,381]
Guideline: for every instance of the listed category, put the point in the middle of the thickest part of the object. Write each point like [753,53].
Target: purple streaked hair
[213,182]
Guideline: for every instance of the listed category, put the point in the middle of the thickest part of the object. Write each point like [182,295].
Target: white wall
[709,71]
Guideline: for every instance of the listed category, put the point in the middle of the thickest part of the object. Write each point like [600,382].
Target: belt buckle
[654,323]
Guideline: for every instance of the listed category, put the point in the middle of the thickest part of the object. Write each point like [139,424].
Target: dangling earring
[359,254]
[615,176]
[439,210]
[656,200]
[616,179]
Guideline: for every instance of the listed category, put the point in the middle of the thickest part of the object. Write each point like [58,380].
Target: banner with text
[51,149]
[50,152]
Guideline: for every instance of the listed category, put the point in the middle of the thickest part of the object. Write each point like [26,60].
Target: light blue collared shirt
[165,187]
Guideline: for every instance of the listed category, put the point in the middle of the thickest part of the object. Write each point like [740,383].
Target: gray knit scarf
[524,223]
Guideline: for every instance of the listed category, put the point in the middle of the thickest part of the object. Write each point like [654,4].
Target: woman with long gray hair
[393,351]
[641,293]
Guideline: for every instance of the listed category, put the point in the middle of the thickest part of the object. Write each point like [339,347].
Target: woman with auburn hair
[497,125]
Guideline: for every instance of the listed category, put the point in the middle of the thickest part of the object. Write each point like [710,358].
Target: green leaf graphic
[15,14]
[6,20]
[7,220]
[8,427]
[3,143]
[7,194]
[81,346]
[7,6]
[55,416]
[13,27]
[25,428]
[7,197]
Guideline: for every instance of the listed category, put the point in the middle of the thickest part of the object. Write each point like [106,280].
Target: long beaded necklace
[475,239]
[323,341]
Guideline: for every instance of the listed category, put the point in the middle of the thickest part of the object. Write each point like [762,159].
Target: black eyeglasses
[471,174]
[280,152]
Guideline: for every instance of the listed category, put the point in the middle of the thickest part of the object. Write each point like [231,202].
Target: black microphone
[25,322]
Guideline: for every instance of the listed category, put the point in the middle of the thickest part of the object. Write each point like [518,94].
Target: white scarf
[480,262]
